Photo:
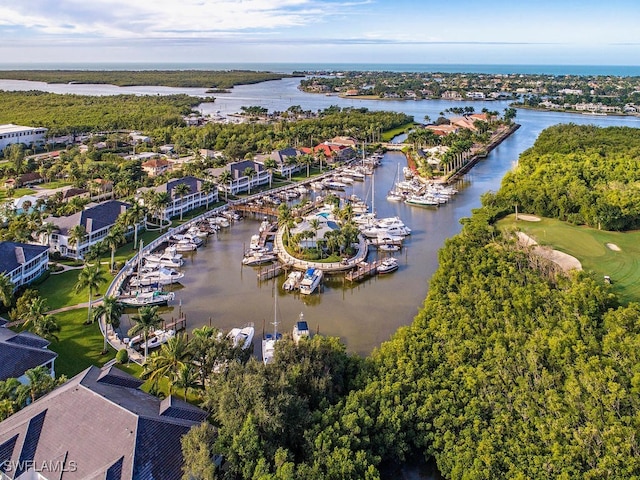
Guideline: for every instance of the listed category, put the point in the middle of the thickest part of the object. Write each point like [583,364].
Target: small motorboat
[293,281]
[388,265]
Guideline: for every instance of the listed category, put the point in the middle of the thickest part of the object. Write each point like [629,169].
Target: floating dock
[270,272]
[362,271]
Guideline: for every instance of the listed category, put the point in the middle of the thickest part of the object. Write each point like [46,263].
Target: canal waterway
[218,289]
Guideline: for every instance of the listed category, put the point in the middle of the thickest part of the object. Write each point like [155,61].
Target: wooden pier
[363,271]
[177,325]
[270,272]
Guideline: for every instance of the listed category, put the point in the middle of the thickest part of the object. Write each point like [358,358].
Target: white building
[97,220]
[196,197]
[240,181]
[30,136]
[23,262]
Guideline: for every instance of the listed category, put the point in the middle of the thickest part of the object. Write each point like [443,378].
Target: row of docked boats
[412,192]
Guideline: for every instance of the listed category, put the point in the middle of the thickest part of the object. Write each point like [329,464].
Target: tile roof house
[97,219]
[98,425]
[23,262]
[156,166]
[23,351]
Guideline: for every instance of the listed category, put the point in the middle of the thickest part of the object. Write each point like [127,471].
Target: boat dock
[177,325]
[362,271]
[270,272]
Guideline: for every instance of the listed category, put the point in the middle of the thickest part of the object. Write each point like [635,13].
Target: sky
[539,32]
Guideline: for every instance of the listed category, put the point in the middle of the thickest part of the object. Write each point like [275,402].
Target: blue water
[615,70]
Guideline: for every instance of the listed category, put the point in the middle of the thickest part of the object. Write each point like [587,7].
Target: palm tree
[181,190]
[147,320]
[270,165]
[41,323]
[224,178]
[314,223]
[132,218]
[110,311]
[47,228]
[40,382]
[113,240]
[207,188]
[161,201]
[6,290]
[77,234]
[90,277]
[186,378]
[249,172]
[307,160]
[171,357]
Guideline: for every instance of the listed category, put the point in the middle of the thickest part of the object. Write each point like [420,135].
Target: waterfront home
[286,160]
[99,424]
[240,181]
[29,136]
[97,220]
[332,152]
[23,262]
[196,196]
[23,351]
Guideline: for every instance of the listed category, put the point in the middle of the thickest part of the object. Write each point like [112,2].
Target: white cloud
[161,18]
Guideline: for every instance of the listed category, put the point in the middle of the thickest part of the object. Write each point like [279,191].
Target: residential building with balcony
[23,262]
[196,197]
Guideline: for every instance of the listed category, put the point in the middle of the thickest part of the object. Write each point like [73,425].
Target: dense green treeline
[512,369]
[167,78]
[236,140]
[63,114]
[582,174]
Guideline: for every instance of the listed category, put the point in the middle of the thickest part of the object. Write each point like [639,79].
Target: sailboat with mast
[269,340]
[394,194]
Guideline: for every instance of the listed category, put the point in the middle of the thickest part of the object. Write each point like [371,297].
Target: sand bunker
[613,246]
[528,218]
[563,260]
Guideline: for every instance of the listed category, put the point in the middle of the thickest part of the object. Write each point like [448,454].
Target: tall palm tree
[181,190]
[77,234]
[147,320]
[207,188]
[270,165]
[47,228]
[110,311]
[39,322]
[166,362]
[186,378]
[249,172]
[6,290]
[161,201]
[90,277]
[132,218]
[224,178]
[113,240]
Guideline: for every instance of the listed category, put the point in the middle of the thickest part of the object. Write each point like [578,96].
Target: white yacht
[258,258]
[310,281]
[293,281]
[300,329]
[169,258]
[159,337]
[159,276]
[242,337]
[388,265]
[144,299]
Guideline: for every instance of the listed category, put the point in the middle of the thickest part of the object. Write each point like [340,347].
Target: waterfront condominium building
[23,262]
[29,136]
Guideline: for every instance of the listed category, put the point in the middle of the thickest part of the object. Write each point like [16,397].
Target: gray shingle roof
[8,259]
[21,352]
[109,430]
[102,215]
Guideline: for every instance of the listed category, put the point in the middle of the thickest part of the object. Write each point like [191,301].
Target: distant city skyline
[561,32]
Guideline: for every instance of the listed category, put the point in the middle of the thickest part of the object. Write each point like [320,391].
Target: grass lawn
[17,193]
[55,184]
[59,289]
[80,345]
[589,245]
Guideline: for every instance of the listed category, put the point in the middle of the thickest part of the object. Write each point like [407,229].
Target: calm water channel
[216,286]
